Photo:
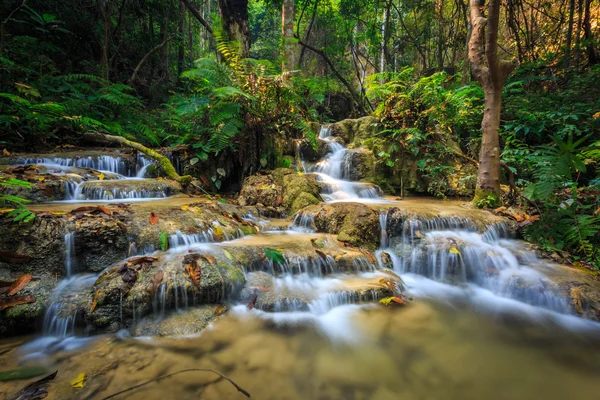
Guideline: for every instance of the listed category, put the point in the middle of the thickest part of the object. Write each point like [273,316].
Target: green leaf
[274,255]
[228,255]
[21,373]
[163,240]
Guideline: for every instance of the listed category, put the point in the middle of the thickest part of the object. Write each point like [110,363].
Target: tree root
[240,389]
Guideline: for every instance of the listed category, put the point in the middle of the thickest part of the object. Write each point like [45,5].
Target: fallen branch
[240,389]
[164,163]
[144,59]
[355,96]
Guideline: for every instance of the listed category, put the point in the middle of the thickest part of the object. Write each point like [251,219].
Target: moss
[247,229]
[303,200]
[487,198]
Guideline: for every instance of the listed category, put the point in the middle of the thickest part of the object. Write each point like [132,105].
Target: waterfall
[69,253]
[383,216]
[142,165]
[334,171]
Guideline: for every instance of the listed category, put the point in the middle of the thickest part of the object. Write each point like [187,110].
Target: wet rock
[183,323]
[309,153]
[129,189]
[100,241]
[354,223]
[356,130]
[283,187]
[363,164]
[133,289]
[580,287]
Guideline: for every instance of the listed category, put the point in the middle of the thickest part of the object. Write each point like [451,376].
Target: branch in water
[240,389]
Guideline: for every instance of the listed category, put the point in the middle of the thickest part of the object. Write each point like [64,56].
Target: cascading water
[70,261]
[334,171]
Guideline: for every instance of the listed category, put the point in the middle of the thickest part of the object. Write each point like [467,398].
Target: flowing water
[334,171]
[486,322]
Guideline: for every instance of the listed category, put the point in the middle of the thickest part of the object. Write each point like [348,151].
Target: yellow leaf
[228,255]
[58,212]
[41,179]
[454,250]
[185,207]
[6,152]
[78,382]
[101,176]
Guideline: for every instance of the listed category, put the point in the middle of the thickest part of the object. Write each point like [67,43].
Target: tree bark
[569,33]
[234,16]
[287,36]
[587,34]
[491,73]
[181,49]
[163,162]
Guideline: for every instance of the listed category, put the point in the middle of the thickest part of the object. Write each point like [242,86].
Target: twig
[245,393]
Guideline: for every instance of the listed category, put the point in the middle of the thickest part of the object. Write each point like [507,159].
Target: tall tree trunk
[287,36]
[578,34]
[491,73]
[587,34]
[181,49]
[569,33]
[105,13]
[234,16]
[440,38]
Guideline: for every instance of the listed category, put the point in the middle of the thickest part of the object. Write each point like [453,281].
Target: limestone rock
[354,223]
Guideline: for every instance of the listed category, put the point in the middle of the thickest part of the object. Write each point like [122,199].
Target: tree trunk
[181,49]
[105,12]
[287,36]
[587,34]
[234,16]
[569,33]
[488,177]
[491,73]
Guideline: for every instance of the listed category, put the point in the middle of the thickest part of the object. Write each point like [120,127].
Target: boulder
[354,223]
[144,285]
[283,188]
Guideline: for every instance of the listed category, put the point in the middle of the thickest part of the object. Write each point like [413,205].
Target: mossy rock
[356,131]
[355,224]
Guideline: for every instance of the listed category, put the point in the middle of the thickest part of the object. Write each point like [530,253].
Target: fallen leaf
[19,284]
[101,176]
[228,255]
[22,373]
[220,310]
[15,301]
[392,299]
[95,301]
[141,260]
[78,382]
[185,207]
[156,281]
[517,217]
[84,209]
[13,258]
[210,259]
[454,250]
[153,218]
[105,210]
[252,302]
[321,254]
[6,152]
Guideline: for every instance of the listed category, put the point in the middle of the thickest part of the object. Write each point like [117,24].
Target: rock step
[126,189]
[305,293]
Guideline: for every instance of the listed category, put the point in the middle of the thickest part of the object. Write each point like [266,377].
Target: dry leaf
[13,258]
[220,310]
[95,301]
[105,210]
[321,254]
[210,259]
[185,207]
[19,284]
[153,218]
[252,302]
[6,152]
[15,301]
[156,281]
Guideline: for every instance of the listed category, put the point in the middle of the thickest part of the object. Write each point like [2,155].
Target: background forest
[232,81]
